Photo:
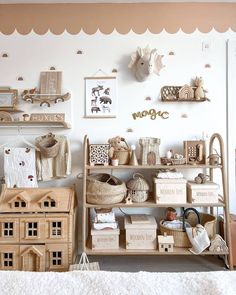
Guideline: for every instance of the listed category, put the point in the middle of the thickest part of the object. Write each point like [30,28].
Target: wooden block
[50,82]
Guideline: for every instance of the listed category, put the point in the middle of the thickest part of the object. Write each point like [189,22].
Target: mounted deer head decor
[144,62]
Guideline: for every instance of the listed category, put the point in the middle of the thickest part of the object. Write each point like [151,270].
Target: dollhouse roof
[49,195]
[165,239]
[64,197]
[23,195]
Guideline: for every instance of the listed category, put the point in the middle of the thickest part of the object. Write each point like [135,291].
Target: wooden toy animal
[144,62]
[199,92]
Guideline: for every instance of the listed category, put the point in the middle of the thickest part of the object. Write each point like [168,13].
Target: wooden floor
[160,263]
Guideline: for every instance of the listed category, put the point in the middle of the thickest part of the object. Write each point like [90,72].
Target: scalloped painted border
[122,18]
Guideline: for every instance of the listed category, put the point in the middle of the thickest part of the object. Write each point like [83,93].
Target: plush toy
[199,92]
[117,144]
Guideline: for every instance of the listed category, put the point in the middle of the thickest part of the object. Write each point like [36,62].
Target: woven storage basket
[180,236]
[104,188]
[122,156]
[138,188]
[49,146]
[172,161]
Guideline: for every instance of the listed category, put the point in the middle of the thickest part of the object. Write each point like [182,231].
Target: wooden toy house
[149,152]
[37,229]
[165,243]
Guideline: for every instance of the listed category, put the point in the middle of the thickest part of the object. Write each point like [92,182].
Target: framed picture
[8,98]
[100,97]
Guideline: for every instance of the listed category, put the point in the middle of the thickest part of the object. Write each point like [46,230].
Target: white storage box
[105,239]
[169,190]
[202,193]
[141,235]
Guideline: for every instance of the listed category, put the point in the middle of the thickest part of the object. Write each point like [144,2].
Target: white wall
[30,54]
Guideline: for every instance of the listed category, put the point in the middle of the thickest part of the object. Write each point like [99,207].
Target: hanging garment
[19,167]
[56,167]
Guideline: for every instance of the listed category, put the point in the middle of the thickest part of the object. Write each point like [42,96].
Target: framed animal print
[8,98]
[100,97]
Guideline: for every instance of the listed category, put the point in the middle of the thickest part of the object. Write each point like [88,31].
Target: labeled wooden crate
[169,190]
[141,235]
[202,193]
[105,239]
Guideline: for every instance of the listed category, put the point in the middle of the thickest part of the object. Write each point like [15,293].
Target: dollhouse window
[19,204]
[56,228]
[32,229]
[8,259]
[57,258]
[8,229]
[49,203]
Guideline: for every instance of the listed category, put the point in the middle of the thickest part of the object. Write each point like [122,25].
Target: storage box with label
[169,190]
[140,232]
[105,239]
[202,193]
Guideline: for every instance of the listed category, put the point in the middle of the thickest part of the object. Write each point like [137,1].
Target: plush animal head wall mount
[144,62]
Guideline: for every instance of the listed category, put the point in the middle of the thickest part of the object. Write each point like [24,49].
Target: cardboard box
[141,235]
[105,239]
[202,193]
[169,190]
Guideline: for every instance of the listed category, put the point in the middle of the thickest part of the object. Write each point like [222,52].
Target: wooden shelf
[29,124]
[152,204]
[185,166]
[123,251]
[11,110]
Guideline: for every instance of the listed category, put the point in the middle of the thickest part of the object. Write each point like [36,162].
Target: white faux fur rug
[123,283]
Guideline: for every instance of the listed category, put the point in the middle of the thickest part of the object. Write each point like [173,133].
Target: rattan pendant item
[138,188]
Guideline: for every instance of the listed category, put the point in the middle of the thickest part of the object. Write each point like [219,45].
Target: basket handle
[138,175]
[186,211]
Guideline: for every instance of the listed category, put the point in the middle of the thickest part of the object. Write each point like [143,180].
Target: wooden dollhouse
[165,243]
[37,228]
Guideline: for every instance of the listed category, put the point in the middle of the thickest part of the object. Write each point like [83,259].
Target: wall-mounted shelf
[11,110]
[29,124]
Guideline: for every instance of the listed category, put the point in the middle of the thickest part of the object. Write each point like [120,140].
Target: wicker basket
[49,146]
[104,188]
[180,236]
[172,161]
[123,156]
[138,188]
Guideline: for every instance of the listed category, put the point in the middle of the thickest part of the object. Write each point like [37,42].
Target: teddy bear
[117,144]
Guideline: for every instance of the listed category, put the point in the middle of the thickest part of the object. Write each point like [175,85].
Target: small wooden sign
[50,117]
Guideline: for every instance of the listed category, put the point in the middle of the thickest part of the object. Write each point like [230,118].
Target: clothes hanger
[20,138]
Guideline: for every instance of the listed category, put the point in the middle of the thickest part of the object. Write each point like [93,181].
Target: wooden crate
[141,235]
[105,239]
[169,190]
[202,193]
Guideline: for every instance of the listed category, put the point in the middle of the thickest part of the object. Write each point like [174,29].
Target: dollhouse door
[151,158]
[32,259]
[30,262]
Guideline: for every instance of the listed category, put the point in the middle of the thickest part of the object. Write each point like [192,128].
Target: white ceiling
[102,1]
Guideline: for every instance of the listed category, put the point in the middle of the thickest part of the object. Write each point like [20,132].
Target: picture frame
[8,98]
[100,97]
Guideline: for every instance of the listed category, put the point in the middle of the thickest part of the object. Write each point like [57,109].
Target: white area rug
[109,283]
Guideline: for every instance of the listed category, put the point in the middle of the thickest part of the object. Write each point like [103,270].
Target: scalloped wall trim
[90,18]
